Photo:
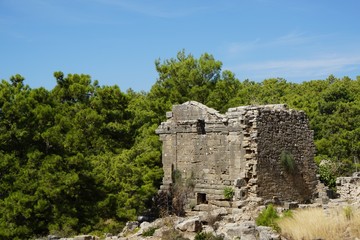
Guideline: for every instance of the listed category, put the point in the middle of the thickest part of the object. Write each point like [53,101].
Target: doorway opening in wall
[201,198]
[200,126]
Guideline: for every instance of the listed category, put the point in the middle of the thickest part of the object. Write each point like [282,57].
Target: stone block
[225,204]
[169,115]
[240,203]
[291,205]
[190,225]
[219,212]
[203,207]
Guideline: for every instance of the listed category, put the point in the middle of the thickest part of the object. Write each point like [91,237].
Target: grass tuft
[315,223]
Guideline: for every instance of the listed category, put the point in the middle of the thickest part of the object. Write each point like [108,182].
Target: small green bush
[328,175]
[287,161]
[268,217]
[229,193]
[149,232]
[207,236]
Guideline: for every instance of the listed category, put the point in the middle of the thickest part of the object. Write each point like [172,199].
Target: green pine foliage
[83,157]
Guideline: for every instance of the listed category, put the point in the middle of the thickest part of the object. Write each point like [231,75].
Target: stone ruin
[348,188]
[263,153]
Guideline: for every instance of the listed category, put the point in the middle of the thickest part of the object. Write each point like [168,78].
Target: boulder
[248,230]
[190,225]
[219,212]
[244,231]
[267,233]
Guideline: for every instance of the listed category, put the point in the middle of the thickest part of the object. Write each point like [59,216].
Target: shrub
[287,161]
[149,232]
[268,217]
[178,194]
[327,172]
[207,236]
[228,193]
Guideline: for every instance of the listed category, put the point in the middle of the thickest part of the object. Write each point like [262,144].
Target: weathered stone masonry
[349,187]
[240,149]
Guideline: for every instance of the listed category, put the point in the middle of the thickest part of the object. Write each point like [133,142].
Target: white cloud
[322,62]
[295,55]
[293,38]
[299,68]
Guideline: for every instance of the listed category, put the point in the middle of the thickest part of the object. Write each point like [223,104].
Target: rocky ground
[227,222]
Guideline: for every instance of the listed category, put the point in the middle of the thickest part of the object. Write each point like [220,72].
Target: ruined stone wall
[349,187]
[243,127]
[284,131]
[240,149]
[197,143]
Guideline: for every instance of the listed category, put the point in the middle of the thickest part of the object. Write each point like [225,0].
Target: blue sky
[118,41]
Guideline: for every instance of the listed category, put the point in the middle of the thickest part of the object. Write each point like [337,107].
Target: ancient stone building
[260,152]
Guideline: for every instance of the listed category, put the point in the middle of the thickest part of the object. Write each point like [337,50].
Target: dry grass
[315,223]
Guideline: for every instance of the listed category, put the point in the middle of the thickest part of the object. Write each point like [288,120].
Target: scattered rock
[267,233]
[190,225]
[231,223]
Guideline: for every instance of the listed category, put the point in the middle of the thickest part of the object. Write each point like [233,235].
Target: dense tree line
[83,157]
